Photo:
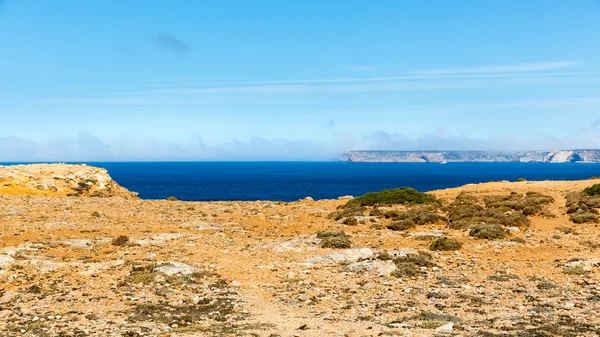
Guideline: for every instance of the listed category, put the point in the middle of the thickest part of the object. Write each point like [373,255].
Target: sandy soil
[253,269]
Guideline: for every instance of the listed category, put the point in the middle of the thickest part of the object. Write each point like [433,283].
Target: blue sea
[288,181]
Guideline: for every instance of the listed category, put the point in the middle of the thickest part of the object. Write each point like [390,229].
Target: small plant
[445,244]
[402,196]
[584,217]
[385,256]
[172,198]
[566,230]
[401,225]
[406,269]
[521,180]
[334,240]
[518,240]
[575,271]
[488,231]
[121,240]
[350,221]
[348,212]
[421,259]
[546,286]
[95,214]
[430,324]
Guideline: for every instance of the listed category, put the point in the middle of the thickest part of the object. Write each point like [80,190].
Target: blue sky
[294,80]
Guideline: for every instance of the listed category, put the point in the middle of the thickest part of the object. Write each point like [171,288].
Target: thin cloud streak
[506,68]
[183,82]
[294,87]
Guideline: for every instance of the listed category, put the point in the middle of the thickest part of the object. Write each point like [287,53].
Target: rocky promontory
[59,180]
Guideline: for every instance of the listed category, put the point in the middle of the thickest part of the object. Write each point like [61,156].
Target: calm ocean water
[287,181]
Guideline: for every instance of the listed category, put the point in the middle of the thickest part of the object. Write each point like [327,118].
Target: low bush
[401,225]
[403,196]
[348,212]
[172,198]
[406,269]
[584,217]
[592,190]
[331,239]
[121,240]
[488,231]
[350,221]
[521,180]
[421,259]
[445,244]
[575,271]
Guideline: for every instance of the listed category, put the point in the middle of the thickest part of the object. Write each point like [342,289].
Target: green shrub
[584,217]
[488,231]
[592,190]
[401,225]
[385,256]
[172,198]
[575,271]
[403,196]
[421,259]
[406,269]
[428,218]
[348,212]
[350,221]
[334,239]
[430,324]
[521,180]
[445,244]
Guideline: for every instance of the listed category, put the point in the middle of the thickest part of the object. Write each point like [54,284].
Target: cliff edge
[555,156]
[60,180]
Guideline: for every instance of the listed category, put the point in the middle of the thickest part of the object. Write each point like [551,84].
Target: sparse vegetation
[346,212]
[488,231]
[521,180]
[592,190]
[582,206]
[409,265]
[334,239]
[445,244]
[121,240]
[396,196]
[172,198]
[575,271]
[401,225]
[350,221]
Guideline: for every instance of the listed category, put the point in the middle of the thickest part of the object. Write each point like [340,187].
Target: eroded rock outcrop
[59,180]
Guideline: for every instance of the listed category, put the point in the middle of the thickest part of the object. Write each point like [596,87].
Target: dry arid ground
[103,263]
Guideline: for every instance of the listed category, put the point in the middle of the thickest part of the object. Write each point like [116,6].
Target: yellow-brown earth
[249,269]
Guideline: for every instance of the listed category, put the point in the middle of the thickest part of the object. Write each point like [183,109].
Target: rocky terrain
[557,156]
[59,180]
[79,265]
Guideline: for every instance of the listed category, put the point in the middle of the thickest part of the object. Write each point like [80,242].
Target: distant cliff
[558,156]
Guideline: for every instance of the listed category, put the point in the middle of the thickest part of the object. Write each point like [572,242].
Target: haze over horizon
[266,80]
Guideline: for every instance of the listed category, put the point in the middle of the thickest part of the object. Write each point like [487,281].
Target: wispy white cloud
[503,68]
